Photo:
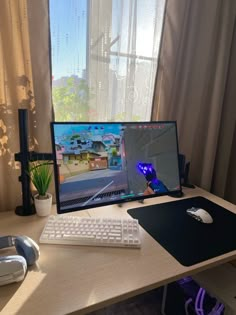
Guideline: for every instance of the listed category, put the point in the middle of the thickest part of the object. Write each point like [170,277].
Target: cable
[186,304]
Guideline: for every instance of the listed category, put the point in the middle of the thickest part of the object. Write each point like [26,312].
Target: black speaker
[184,171]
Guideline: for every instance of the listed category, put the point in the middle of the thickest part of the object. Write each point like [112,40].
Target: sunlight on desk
[79,279]
[21,293]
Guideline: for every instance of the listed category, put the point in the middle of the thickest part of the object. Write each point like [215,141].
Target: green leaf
[41,176]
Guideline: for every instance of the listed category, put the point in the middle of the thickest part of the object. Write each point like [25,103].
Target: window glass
[104,58]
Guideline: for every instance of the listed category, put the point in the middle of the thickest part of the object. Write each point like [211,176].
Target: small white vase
[43,206]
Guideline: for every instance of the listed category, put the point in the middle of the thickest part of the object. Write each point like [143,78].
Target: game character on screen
[154,185]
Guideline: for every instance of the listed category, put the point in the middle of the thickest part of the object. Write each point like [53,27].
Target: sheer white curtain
[124,44]
[117,65]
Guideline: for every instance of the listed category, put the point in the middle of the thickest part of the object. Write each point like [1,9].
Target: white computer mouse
[200,214]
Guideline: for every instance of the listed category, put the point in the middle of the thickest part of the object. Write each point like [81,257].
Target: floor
[181,298]
[145,304]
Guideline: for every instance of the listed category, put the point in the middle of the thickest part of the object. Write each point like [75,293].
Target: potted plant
[41,177]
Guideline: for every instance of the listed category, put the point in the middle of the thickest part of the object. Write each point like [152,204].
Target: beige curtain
[194,86]
[24,83]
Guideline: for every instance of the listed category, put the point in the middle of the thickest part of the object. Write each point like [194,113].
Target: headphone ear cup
[12,269]
[27,248]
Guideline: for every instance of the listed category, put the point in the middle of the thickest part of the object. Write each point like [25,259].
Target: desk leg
[163,303]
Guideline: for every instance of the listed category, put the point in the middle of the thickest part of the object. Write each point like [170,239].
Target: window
[104,58]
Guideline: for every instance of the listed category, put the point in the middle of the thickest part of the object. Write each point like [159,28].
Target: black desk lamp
[24,157]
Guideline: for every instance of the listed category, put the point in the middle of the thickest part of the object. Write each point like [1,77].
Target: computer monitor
[99,164]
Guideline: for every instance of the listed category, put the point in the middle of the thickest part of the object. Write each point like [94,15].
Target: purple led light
[220,309]
[199,311]
[201,300]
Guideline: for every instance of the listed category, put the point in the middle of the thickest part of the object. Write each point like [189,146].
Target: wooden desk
[73,279]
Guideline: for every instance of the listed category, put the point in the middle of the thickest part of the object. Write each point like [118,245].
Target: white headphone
[13,268]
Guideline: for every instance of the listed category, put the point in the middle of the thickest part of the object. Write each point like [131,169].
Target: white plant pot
[43,206]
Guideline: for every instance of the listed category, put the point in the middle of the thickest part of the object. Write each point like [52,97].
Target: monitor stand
[178,194]
[121,204]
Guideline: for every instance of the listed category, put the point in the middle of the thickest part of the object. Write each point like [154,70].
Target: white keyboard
[91,231]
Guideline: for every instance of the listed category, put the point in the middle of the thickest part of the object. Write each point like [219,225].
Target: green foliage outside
[71,102]
[120,117]
[114,152]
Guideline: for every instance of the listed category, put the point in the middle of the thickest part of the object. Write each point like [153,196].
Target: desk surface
[79,279]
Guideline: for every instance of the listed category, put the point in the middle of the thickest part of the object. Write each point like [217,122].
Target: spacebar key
[78,237]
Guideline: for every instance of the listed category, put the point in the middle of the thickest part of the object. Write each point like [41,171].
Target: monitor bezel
[107,203]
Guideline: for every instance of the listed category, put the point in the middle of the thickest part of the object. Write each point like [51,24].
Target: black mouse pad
[185,238]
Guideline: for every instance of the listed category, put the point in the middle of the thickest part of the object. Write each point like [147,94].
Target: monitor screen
[99,164]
